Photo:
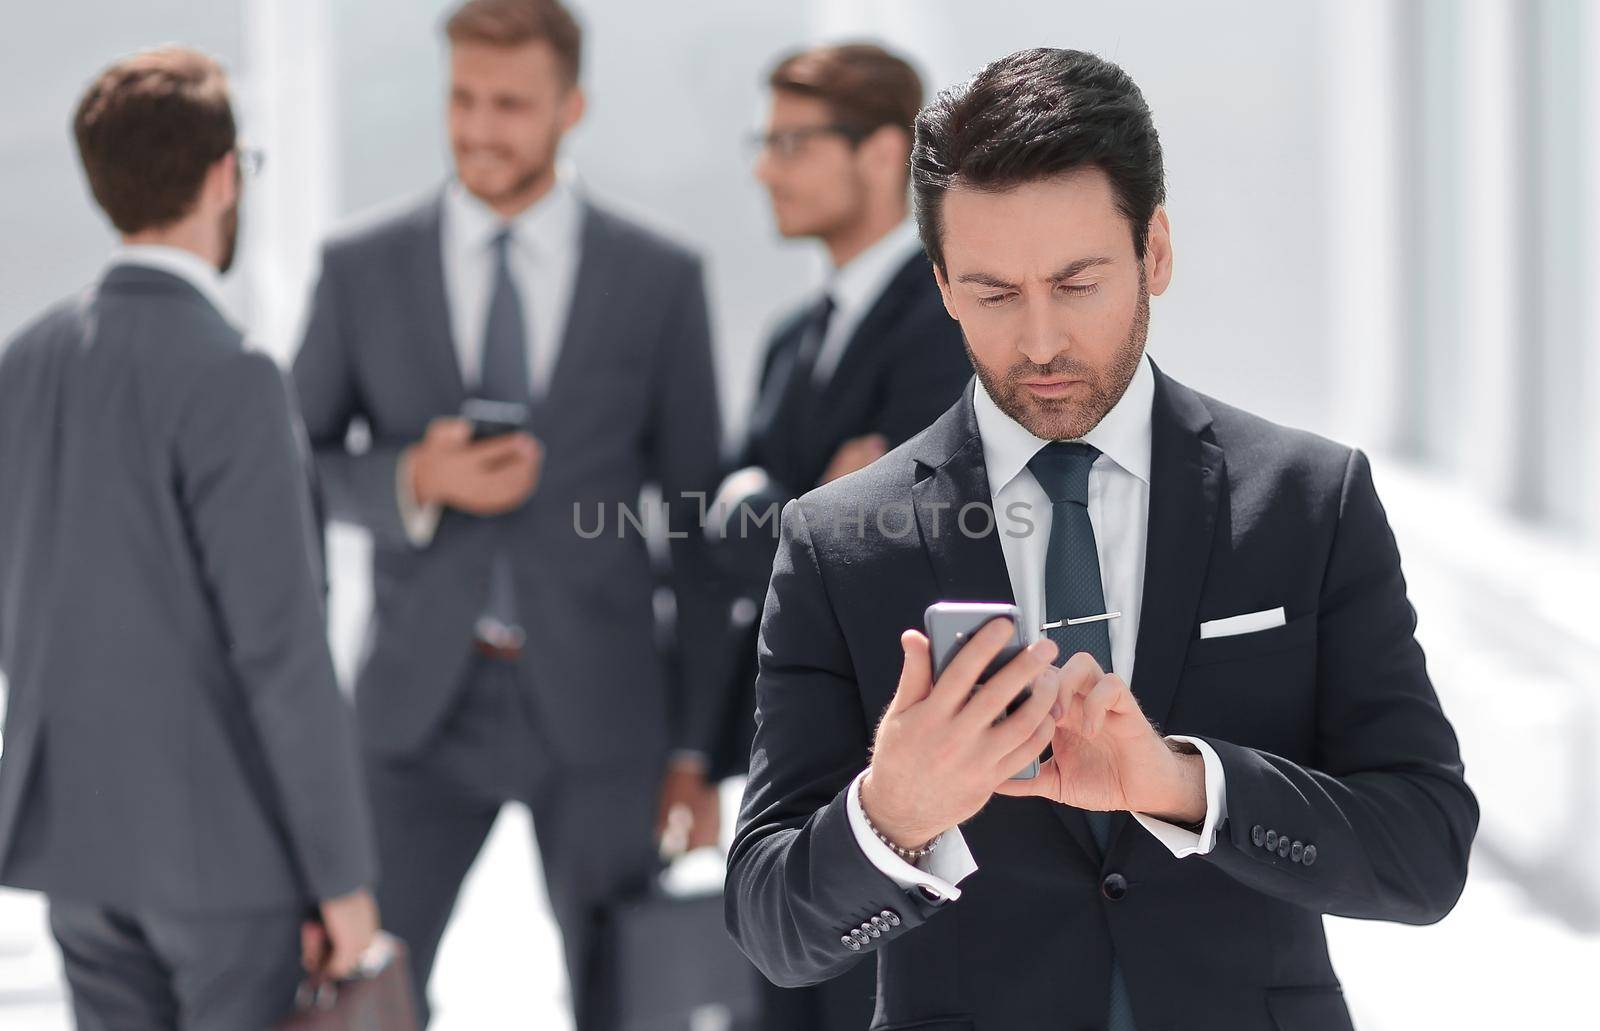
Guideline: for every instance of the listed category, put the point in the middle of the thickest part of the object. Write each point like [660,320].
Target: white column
[1491,154]
[286,92]
[1363,227]
[1588,202]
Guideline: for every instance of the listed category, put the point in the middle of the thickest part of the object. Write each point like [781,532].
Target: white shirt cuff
[939,871]
[419,520]
[1180,841]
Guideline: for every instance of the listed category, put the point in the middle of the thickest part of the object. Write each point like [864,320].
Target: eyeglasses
[251,161]
[787,143]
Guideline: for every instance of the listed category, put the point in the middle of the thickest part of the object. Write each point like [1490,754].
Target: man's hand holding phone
[942,749]
[484,477]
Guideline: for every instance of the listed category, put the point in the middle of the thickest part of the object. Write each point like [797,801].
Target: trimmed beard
[1064,418]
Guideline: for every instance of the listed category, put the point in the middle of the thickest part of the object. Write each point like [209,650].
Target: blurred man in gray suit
[504,575]
[179,774]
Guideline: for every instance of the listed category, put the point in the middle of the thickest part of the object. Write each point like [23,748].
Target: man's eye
[993,300]
[1080,289]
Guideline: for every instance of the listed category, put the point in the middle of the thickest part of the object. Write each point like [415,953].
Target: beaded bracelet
[910,855]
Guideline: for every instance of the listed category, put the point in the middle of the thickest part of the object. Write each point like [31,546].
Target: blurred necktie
[1073,589]
[503,377]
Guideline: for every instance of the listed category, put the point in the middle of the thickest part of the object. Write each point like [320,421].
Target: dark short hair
[148,129]
[1035,115]
[512,23]
[863,85]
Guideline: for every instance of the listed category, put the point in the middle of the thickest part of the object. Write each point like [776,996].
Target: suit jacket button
[1310,855]
[891,917]
[1283,846]
[1296,851]
[1114,886]
[1272,840]
[1257,835]
[872,929]
[850,943]
[880,923]
[860,936]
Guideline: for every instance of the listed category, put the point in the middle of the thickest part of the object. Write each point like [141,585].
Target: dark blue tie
[1072,589]
[503,377]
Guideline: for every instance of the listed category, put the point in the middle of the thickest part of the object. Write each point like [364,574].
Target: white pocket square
[1248,623]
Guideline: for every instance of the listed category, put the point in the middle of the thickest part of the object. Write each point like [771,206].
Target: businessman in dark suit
[857,370]
[180,773]
[1231,582]
[504,573]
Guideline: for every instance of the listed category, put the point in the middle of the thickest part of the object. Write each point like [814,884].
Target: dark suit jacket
[903,365]
[176,741]
[1327,727]
[632,400]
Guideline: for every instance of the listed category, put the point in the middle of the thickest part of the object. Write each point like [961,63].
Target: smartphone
[494,418]
[951,624]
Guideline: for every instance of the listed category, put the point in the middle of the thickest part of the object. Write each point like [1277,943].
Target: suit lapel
[1187,471]
[584,310]
[969,567]
[438,344]
[858,350]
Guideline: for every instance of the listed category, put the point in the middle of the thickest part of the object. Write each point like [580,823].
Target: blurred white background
[1385,225]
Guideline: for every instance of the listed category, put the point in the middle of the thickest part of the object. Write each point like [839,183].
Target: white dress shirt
[185,264]
[1119,510]
[856,286]
[545,246]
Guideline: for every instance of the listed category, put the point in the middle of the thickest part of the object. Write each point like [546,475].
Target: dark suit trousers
[595,827]
[129,972]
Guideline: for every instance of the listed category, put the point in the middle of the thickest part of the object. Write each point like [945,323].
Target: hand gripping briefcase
[377,998]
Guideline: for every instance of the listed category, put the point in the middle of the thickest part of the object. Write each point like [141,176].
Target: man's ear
[220,188]
[944,292]
[886,150]
[573,105]
[1158,253]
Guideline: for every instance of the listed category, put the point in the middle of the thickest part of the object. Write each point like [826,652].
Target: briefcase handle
[323,995]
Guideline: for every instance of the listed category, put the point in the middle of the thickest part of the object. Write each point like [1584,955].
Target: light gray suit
[177,754]
[580,728]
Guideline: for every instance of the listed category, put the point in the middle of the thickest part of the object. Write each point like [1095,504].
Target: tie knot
[502,241]
[1062,469]
[822,312]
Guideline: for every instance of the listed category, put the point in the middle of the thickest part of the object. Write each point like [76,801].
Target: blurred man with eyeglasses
[179,775]
[864,364]
[491,671]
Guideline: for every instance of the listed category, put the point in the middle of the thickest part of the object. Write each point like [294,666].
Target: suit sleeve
[685,446]
[244,491]
[1386,808]
[354,488]
[798,882]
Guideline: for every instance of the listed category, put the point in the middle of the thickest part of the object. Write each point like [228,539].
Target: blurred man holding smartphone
[1178,563]
[180,773]
[484,677]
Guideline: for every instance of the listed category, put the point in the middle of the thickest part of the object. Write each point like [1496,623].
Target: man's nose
[1043,336]
[763,168]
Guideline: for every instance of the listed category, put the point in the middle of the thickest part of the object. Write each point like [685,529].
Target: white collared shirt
[1119,511]
[546,245]
[185,264]
[856,286]
[543,255]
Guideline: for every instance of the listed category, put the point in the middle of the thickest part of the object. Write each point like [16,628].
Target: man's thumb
[916,672]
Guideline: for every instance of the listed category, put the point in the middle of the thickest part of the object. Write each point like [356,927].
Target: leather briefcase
[376,998]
